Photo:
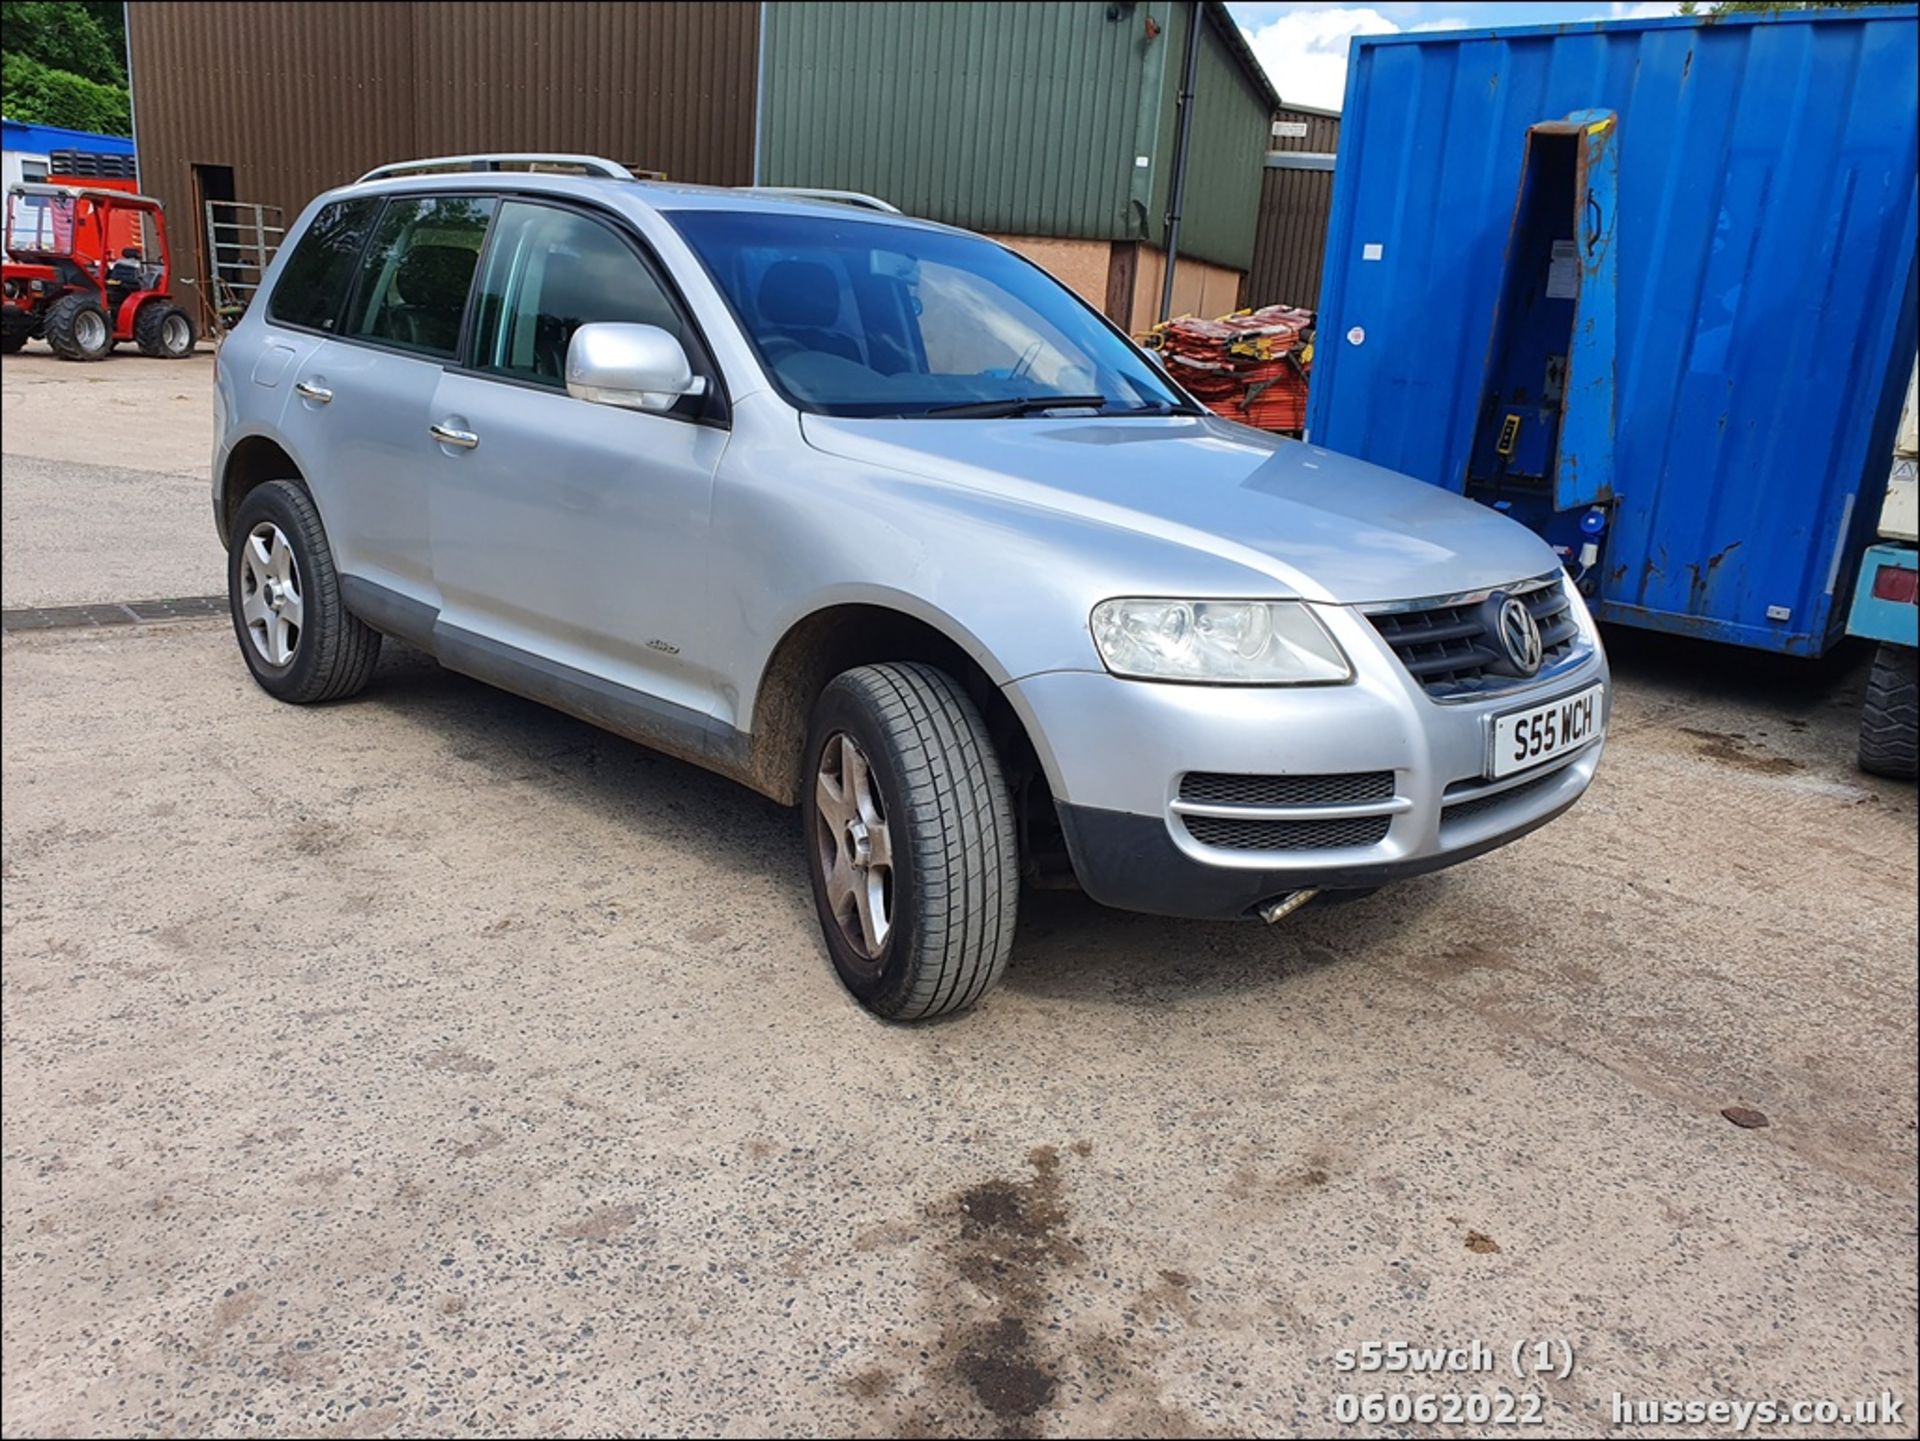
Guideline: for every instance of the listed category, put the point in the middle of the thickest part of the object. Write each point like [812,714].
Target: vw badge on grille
[1520,636]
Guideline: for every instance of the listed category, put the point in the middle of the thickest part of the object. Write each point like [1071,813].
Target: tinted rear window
[416,271]
[314,284]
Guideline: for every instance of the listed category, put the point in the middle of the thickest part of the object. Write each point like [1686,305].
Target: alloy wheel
[270,601]
[855,847]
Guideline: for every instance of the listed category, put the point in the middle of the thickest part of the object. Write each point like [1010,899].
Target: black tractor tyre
[1890,716]
[953,885]
[163,331]
[71,333]
[334,652]
[12,340]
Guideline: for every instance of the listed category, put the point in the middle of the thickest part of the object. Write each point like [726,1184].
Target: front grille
[1449,650]
[1478,805]
[1239,835]
[1216,788]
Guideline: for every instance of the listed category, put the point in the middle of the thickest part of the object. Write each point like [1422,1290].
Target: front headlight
[1220,642]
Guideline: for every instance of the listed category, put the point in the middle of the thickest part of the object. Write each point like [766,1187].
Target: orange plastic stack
[1251,366]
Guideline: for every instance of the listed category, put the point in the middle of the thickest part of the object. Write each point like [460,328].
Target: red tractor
[76,278]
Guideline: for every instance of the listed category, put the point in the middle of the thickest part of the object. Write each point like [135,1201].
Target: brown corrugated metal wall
[1291,235]
[302,95]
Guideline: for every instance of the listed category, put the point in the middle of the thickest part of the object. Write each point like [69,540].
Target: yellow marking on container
[1509,434]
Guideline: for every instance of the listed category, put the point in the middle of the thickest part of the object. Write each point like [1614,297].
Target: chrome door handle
[447,435]
[318,394]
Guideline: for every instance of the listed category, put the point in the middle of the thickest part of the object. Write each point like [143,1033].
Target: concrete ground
[435,1064]
[96,452]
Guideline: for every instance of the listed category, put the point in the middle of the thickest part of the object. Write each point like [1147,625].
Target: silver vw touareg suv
[876,517]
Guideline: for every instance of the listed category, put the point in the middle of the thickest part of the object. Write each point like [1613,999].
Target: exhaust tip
[1280,907]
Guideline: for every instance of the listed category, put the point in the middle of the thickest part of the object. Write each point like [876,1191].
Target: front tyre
[910,841]
[298,639]
[165,332]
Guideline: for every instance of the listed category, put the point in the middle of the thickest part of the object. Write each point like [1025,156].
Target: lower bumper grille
[1481,804]
[1251,835]
[1216,788]
[1287,813]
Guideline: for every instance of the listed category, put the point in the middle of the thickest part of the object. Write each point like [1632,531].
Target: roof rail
[841,197]
[592,164]
[60,186]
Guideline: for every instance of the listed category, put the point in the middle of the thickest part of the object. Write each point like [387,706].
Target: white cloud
[1646,10]
[1304,52]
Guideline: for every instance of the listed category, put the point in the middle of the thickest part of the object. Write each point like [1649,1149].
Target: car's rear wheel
[298,638]
[165,332]
[78,328]
[910,841]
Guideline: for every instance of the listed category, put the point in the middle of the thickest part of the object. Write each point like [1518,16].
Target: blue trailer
[1648,286]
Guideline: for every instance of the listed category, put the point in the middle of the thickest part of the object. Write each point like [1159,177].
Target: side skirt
[631,714]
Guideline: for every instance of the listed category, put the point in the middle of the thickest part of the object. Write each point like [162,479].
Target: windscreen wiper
[1018,405]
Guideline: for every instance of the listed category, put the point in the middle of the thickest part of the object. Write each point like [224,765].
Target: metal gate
[240,240]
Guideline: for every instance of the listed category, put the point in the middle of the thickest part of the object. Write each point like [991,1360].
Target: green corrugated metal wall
[1225,158]
[1018,118]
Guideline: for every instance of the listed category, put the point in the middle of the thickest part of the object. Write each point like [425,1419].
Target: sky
[1304,47]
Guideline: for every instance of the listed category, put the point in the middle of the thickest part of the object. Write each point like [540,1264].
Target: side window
[413,281]
[317,274]
[550,271]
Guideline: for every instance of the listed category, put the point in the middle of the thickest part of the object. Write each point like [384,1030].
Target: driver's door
[570,538]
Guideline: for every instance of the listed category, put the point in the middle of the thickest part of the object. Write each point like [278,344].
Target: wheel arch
[863,629]
[251,462]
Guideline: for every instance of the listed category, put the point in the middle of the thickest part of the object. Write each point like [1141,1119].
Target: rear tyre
[1890,716]
[298,639]
[78,328]
[165,332]
[910,841]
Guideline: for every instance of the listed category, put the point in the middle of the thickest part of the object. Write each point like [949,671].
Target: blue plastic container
[1761,287]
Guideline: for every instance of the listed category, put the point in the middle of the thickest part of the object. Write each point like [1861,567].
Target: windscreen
[861,318]
[39,224]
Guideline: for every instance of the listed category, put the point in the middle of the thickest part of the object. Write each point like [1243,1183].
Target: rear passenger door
[360,402]
[571,537]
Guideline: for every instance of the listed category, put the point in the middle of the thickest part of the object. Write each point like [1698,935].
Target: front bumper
[1116,752]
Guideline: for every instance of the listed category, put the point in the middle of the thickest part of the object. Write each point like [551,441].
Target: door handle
[447,435]
[318,394]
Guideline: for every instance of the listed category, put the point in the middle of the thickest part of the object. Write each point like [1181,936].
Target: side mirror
[639,367]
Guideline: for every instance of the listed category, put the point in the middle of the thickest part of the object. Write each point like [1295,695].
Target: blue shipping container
[1761,286]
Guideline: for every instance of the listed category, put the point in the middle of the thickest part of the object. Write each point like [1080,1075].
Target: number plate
[1526,738]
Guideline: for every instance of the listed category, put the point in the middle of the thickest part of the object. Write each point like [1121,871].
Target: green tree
[39,93]
[1749,7]
[65,64]
[64,35]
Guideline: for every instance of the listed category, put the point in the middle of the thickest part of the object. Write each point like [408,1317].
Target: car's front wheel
[299,640]
[910,841]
